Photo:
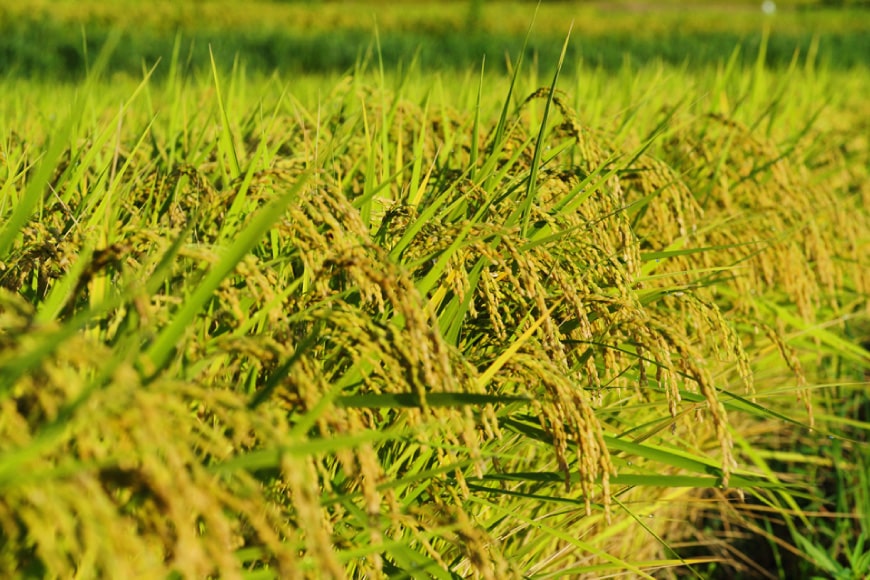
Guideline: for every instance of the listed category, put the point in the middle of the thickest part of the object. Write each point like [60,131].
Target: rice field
[56,38]
[561,321]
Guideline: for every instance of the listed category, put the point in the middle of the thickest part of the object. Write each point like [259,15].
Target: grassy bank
[435,325]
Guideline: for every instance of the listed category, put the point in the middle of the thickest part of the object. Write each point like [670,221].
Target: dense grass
[58,39]
[388,324]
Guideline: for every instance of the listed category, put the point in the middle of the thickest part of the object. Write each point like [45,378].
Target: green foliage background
[52,38]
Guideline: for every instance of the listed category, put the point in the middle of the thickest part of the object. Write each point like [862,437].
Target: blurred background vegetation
[56,38]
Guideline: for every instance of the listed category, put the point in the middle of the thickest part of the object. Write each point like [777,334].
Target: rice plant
[472,326]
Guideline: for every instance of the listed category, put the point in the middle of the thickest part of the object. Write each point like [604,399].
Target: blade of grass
[439,399]
[226,144]
[525,208]
[498,135]
[516,344]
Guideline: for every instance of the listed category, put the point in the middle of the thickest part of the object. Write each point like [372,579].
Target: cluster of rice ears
[387,337]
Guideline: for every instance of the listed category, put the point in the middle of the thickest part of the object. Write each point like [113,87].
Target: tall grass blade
[498,134]
[475,128]
[525,208]
[227,143]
